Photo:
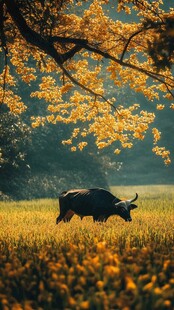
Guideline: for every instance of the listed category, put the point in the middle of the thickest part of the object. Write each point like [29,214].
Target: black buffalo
[96,202]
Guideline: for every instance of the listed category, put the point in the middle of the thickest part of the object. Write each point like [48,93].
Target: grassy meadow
[84,265]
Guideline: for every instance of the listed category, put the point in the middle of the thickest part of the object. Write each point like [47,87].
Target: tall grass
[82,265]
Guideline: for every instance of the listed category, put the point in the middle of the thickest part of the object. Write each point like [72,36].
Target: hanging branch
[47,46]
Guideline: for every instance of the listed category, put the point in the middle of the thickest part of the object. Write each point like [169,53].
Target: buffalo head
[124,207]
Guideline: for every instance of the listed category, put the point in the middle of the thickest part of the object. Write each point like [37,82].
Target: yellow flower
[148,287]
[4,301]
[112,271]
[82,281]
[54,276]
[167,303]
[41,286]
[85,305]
[130,284]
[166,264]
[17,307]
[100,285]
[157,291]
[166,287]
[101,246]
[72,301]
[154,278]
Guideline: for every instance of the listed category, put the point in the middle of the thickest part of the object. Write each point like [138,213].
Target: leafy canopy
[81,47]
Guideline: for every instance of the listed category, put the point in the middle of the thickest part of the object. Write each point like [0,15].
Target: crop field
[115,265]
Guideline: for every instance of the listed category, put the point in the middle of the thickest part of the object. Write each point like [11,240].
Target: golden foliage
[110,52]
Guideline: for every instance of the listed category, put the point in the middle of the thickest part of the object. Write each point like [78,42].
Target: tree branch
[47,46]
[72,79]
[35,39]
[60,39]
[128,41]
[158,77]
[71,53]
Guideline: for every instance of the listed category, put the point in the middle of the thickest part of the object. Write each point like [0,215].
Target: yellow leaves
[165,154]
[127,145]
[160,106]
[50,118]
[49,91]
[101,145]
[81,145]
[37,121]
[73,149]
[67,142]
[65,88]
[19,58]
[9,79]
[13,101]
[117,151]
[26,73]
[47,83]
[89,76]
[75,132]
[156,134]
[124,126]
[109,129]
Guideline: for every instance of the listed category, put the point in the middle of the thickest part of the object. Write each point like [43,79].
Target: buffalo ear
[132,206]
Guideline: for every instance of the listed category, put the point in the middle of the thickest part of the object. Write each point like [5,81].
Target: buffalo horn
[132,200]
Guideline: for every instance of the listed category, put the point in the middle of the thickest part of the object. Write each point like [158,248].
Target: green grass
[82,265]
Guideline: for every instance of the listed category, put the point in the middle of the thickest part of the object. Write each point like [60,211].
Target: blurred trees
[14,143]
[34,163]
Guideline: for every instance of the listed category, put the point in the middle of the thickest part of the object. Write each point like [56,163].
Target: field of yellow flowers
[82,265]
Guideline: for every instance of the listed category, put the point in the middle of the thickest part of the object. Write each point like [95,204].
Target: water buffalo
[96,202]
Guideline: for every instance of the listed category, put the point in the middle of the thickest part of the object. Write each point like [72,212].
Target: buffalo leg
[60,218]
[63,211]
[103,218]
[68,216]
[97,218]
[100,218]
